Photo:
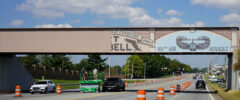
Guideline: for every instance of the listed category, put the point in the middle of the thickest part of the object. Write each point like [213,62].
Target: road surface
[130,94]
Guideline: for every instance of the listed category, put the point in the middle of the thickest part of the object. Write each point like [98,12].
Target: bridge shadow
[187,91]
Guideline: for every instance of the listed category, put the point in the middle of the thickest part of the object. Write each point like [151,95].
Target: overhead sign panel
[174,41]
[199,41]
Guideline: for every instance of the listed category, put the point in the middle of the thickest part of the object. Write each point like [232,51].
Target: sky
[121,13]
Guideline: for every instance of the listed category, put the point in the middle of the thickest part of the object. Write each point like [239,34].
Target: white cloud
[159,11]
[53,26]
[116,9]
[146,20]
[173,12]
[232,19]
[58,8]
[17,22]
[98,22]
[226,4]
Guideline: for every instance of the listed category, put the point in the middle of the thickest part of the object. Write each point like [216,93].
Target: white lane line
[210,94]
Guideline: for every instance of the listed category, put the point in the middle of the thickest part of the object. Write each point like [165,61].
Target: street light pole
[128,70]
[144,70]
[132,72]
[109,72]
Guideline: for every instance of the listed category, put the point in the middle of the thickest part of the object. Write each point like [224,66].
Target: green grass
[230,95]
[64,82]
[220,76]
[77,81]
[167,76]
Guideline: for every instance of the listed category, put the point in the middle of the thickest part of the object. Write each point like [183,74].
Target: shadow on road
[167,91]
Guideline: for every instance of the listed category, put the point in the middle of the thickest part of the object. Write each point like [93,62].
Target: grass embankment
[230,95]
[77,81]
[132,81]
[64,82]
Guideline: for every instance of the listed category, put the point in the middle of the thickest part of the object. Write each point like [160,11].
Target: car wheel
[97,90]
[123,89]
[46,90]
[54,90]
[32,92]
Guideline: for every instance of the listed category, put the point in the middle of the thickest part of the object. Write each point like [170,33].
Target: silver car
[43,86]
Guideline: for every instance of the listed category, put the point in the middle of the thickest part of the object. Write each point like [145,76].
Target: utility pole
[128,70]
[62,63]
[132,72]
[144,69]
[109,72]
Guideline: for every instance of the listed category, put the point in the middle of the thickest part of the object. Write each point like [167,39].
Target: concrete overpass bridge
[112,40]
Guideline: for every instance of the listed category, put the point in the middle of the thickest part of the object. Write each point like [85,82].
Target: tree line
[155,65]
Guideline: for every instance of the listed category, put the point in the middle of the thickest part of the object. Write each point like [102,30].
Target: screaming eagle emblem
[200,43]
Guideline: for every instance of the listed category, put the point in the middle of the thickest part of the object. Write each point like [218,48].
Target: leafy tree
[29,60]
[136,63]
[95,61]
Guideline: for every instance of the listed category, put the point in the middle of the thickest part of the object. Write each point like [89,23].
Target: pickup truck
[114,83]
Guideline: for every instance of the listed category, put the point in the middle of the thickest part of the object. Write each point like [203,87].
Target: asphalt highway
[130,94]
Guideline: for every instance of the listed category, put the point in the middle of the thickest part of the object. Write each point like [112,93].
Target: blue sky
[119,13]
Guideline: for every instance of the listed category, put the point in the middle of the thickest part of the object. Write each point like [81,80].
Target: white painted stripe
[17,93]
[210,94]
[17,89]
[160,91]
[141,96]
[160,95]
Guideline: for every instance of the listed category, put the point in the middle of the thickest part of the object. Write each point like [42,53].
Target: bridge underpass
[148,40]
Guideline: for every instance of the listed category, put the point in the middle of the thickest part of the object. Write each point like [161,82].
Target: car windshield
[200,82]
[112,79]
[42,82]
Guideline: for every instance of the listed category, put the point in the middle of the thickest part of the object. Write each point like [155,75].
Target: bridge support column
[232,75]
[12,73]
[229,72]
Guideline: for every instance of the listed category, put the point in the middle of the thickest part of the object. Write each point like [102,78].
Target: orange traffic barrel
[183,86]
[141,95]
[18,91]
[59,89]
[141,83]
[126,84]
[172,90]
[178,88]
[160,94]
[151,81]
[186,85]
[135,83]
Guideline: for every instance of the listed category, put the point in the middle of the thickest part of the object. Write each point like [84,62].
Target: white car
[43,86]
[213,80]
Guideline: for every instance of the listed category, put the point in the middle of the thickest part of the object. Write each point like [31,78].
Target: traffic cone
[178,88]
[141,83]
[151,81]
[146,81]
[59,89]
[160,94]
[126,84]
[155,81]
[183,86]
[158,81]
[135,83]
[141,95]
[172,90]
[18,91]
